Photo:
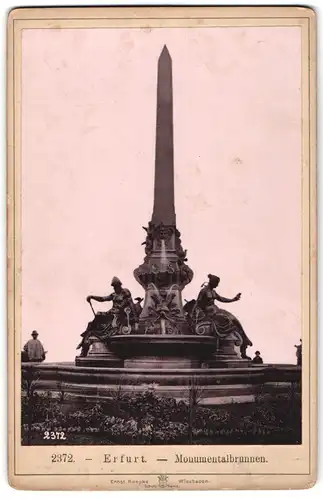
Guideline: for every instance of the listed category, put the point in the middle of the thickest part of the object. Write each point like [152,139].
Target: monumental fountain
[165,342]
[164,335]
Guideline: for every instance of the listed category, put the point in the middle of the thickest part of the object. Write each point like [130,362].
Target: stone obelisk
[164,272]
[164,209]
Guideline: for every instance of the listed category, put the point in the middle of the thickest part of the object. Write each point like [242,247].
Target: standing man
[299,353]
[257,360]
[34,349]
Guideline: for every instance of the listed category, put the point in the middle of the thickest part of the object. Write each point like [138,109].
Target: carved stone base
[226,354]
[99,355]
[156,362]
[227,362]
[147,327]
[220,385]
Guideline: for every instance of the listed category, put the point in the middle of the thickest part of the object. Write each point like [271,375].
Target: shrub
[150,419]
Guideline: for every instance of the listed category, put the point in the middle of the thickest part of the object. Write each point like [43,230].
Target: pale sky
[88,139]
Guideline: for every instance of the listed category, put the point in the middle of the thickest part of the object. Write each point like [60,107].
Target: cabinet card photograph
[162,248]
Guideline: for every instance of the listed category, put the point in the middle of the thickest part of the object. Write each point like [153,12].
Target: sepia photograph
[161,240]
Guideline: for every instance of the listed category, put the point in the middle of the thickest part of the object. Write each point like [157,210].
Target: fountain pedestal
[163,275]
[100,354]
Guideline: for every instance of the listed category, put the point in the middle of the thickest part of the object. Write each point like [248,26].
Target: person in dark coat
[34,349]
[299,353]
[257,360]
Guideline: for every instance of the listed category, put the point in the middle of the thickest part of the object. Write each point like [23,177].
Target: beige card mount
[162,248]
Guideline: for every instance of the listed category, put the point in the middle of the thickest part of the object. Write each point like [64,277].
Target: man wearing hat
[299,353]
[34,349]
[257,360]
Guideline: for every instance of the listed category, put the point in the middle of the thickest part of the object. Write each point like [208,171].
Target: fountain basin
[163,351]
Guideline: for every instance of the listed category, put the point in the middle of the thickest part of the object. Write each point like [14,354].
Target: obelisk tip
[165,52]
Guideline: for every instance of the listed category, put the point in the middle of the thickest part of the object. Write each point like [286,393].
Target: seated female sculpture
[224,321]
